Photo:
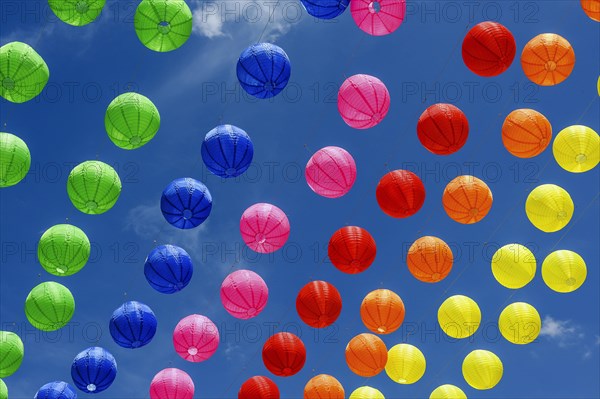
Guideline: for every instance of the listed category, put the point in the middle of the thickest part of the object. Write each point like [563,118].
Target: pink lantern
[244,294]
[331,172]
[196,338]
[172,384]
[363,101]
[264,228]
[378,18]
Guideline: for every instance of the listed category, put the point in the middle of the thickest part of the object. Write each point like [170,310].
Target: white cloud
[557,329]
[209,25]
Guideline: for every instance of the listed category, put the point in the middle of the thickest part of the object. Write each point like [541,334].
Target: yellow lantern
[513,266]
[520,323]
[447,391]
[406,364]
[459,316]
[577,148]
[564,271]
[482,369]
[549,207]
[366,392]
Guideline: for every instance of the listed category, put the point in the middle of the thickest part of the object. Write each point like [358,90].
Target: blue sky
[195,89]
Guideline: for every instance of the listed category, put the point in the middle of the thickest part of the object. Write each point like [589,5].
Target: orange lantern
[467,199]
[592,9]
[429,259]
[382,311]
[548,59]
[366,355]
[526,133]
[323,386]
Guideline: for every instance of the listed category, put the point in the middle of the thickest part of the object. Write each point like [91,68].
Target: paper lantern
[263,70]
[363,101]
[77,12]
[520,323]
[133,325]
[15,160]
[323,386]
[429,259]
[63,250]
[131,121]
[482,369]
[366,355]
[196,338]
[406,364]
[378,18]
[331,172]
[244,294]
[447,391]
[163,25]
[459,316]
[23,72]
[513,266]
[49,306]
[526,133]
[259,387]
[168,269]
[400,193]
[284,354]
[186,203]
[12,350]
[94,370]
[443,129]
[319,304]
[488,49]
[351,249]
[591,9]
[172,383]
[264,227]
[549,207]
[577,149]
[382,311]
[548,59]
[564,271]
[467,199]
[325,9]
[93,187]
[227,151]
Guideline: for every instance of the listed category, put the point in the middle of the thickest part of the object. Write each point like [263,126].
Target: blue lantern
[263,70]
[325,9]
[186,203]
[168,269]
[94,370]
[133,325]
[227,151]
[56,390]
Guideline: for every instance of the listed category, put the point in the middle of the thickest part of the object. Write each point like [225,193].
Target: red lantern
[443,129]
[400,193]
[352,249]
[259,387]
[319,304]
[284,354]
[488,49]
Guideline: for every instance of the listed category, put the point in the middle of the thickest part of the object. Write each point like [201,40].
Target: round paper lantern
[94,370]
[323,386]
[186,203]
[467,199]
[400,193]
[227,151]
[319,304]
[15,160]
[513,266]
[366,355]
[488,49]
[133,325]
[325,9]
[526,133]
[443,129]
[366,392]
[259,387]
[352,249]
[172,383]
[77,12]
[168,269]
[378,18]
[382,311]
[244,294]
[263,70]
[549,207]
[284,354]
[264,227]
[447,391]
[520,323]
[564,271]
[548,59]
[592,9]
[23,72]
[49,306]
[363,101]
[577,149]
[131,121]
[429,259]
[12,351]
[56,390]
[163,25]
[63,250]
[196,338]
[331,172]
[406,364]
[459,316]
[93,187]
[3,390]
[482,369]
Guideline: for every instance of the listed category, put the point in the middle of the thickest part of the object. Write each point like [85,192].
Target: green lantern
[77,12]
[11,353]
[3,390]
[131,121]
[49,306]
[15,159]
[63,250]
[163,25]
[23,73]
[93,187]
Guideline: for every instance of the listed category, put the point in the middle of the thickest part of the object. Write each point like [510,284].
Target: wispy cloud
[564,332]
